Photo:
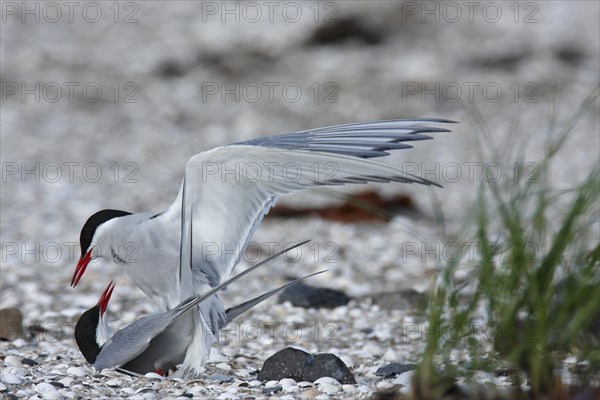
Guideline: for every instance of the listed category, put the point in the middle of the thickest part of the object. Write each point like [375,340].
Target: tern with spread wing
[225,194]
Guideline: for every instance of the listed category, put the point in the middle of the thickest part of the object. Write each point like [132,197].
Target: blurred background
[103,103]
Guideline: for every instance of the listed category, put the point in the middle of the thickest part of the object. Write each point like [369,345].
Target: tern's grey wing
[231,188]
[167,349]
[131,341]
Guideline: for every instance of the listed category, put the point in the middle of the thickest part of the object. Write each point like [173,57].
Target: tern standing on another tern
[225,194]
[156,342]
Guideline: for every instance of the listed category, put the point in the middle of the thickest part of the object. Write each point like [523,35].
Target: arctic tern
[225,194]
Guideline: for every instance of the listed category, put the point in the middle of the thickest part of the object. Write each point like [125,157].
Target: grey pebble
[272,390]
[29,361]
[220,378]
[306,296]
[393,369]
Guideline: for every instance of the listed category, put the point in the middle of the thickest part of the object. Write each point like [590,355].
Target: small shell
[111,373]
[10,379]
[153,375]
[16,371]
[48,391]
[13,361]
[76,371]
[327,380]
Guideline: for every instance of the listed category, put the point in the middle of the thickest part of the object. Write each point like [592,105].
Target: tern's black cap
[85,334]
[93,222]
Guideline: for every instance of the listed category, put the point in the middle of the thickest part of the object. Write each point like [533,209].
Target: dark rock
[392,395]
[301,366]
[506,62]
[29,361]
[11,324]
[57,384]
[387,371]
[9,396]
[330,365]
[172,68]
[570,55]
[405,299]
[286,363]
[302,295]
[344,30]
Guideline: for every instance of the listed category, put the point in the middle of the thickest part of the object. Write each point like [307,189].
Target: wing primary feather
[182,231]
[191,302]
[236,311]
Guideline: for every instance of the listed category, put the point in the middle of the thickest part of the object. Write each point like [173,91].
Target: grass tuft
[534,295]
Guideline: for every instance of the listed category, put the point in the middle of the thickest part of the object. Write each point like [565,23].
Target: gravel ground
[161,70]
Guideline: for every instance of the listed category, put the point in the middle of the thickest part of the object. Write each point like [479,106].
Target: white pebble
[215,356]
[76,371]
[322,397]
[197,391]
[364,389]
[327,380]
[287,382]
[349,388]
[13,361]
[328,388]
[384,385]
[153,375]
[372,349]
[66,381]
[271,384]
[114,382]
[568,360]
[223,366]
[48,391]
[404,379]
[2,387]
[9,378]
[347,360]
[291,389]
[389,355]
[254,383]
[304,384]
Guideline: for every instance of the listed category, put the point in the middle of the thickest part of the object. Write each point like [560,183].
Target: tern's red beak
[81,266]
[103,302]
